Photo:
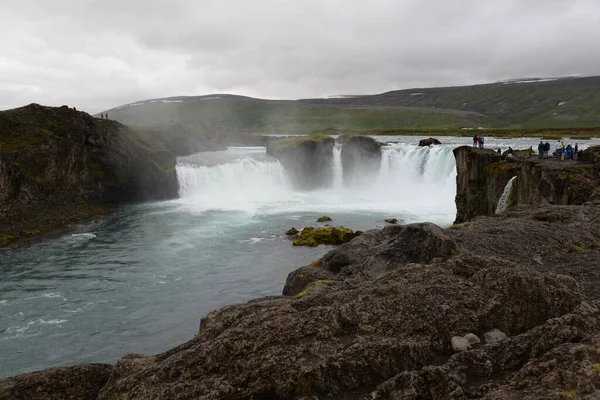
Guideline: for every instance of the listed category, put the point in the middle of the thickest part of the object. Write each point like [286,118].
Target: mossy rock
[392,221]
[324,218]
[312,237]
[292,231]
[311,286]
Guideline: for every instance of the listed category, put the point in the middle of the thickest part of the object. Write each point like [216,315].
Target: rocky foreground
[376,317]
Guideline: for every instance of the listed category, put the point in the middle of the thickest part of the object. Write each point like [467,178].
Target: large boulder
[374,253]
[308,160]
[361,158]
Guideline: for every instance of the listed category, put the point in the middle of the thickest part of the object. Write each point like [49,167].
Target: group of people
[561,151]
[103,116]
[478,141]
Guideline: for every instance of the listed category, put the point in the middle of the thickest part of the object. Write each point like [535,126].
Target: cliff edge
[58,165]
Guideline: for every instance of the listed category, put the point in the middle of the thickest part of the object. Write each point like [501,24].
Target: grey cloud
[99,54]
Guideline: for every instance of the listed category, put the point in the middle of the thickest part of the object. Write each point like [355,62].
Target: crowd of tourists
[561,151]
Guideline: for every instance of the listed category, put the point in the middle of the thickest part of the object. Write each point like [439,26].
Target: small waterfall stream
[503,200]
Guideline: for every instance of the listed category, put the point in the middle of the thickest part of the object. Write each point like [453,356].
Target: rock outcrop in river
[308,160]
[58,165]
[361,158]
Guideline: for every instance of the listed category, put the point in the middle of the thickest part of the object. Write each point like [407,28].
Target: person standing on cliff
[541,148]
[481,141]
[576,151]
[546,149]
[475,140]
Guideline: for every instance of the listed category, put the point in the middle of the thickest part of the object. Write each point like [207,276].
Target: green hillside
[561,103]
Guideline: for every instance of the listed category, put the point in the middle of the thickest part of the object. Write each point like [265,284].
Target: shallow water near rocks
[141,278]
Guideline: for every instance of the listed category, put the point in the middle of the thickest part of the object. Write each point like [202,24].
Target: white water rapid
[503,200]
[416,183]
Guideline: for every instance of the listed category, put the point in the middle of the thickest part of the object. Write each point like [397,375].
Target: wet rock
[429,142]
[81,382]
[292,231]
[324,219]
[392,221]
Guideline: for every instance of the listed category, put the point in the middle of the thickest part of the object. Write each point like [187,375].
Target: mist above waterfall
[415,183]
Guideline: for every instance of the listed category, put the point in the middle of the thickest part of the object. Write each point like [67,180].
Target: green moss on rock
[311,285]
[312,237]
[324,219]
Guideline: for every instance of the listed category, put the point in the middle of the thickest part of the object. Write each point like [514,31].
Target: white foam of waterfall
[417,181]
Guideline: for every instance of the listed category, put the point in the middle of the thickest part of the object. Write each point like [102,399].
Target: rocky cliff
[308,160]
[482,176]
[361,158]
[384,320]
[58,165]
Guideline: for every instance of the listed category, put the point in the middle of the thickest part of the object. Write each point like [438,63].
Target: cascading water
[503,200]
[415,182]
[338,177]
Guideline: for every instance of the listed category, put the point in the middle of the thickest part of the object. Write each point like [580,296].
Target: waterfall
[411,180]
[503,200]
[338,178]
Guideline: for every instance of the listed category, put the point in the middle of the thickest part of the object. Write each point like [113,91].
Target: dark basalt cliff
[59,165]
[482,176]
[361,158]
[308,160]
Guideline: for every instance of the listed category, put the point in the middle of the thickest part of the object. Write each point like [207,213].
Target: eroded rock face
[308,160]
[361,159]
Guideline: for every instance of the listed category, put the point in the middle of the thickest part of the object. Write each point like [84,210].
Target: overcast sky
[98,54]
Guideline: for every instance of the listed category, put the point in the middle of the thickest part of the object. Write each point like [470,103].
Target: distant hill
[521,103]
